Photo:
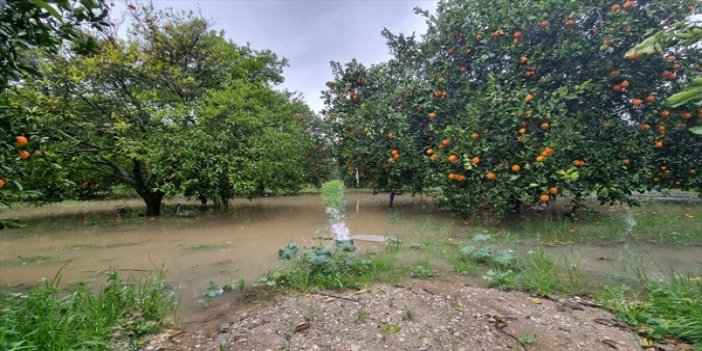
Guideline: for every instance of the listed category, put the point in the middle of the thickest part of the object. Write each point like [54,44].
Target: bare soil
[421,315]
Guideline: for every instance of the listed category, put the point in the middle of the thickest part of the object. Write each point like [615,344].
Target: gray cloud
[311,33]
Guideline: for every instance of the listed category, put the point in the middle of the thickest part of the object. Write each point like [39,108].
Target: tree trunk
[153,203]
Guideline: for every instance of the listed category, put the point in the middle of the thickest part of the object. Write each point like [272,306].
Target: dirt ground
[420,315]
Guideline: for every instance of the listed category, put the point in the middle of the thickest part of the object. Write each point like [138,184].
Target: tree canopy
[509,102]
[173,108]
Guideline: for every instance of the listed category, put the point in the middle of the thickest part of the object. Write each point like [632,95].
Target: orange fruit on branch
[491,176]
[516,168]
[453,158]
[553,190]
[21,140]
[544,198]
[24,154]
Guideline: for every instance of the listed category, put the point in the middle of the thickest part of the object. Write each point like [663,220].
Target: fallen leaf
[302,327]
[535,301]
[646,343]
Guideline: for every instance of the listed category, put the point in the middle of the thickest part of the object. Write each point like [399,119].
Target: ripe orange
[475,136]
[437,93]
[24,154]
[452,176]
[461,178]
[636,102]
[475,160]
[517,35]
[444,94]
[646,126]
[658,144]
[650,99]
[434,157]
[516,168]
[462,69]
[664,168]
[626,161]
[21,140]
[432,115]
[578,163]
[529,97]
[544,198]
[616,8]
[391,135]
[553,190]
[544,24]
[548,151]
[628,5]
[395,153]
[670,58]
[522,130]
[617,88]
[665,113]
[430,152]
[608,42]
[632,56]
[453,158]
[570,23]
[478,37]
[686,115]
[523,60]
[528,74]
[491,176]
[2,183]
[625,84]
[445,142]
[545,126]
[540,158]
[661,129]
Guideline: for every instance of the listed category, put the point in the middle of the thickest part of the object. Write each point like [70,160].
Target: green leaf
[288,252]
[345,245]
[50,9]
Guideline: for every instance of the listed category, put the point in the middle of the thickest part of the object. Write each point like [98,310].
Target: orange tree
[523,101]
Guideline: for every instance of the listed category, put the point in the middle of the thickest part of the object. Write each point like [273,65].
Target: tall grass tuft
[49,319]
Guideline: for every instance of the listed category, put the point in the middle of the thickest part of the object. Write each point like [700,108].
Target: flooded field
[220,247]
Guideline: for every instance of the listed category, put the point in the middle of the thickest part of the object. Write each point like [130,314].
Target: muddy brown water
[216,246]
[241,242]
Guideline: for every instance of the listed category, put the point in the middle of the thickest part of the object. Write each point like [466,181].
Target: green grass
[343,271]
[51,319]
[333,195]
[671,307]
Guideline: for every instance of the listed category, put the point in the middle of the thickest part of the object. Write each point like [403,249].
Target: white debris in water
[341,231]
[338,225]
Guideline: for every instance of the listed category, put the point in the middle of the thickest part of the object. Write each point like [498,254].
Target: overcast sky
[310,33]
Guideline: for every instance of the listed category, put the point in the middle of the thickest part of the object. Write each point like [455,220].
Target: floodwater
[220,247]
[216,247]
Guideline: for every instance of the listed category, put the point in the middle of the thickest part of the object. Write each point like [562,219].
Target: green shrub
[50,319]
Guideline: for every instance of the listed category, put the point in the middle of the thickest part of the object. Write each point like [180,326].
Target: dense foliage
[506,102]
[175,108]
